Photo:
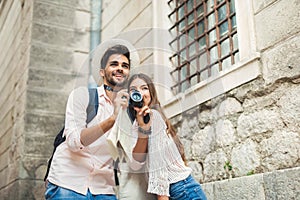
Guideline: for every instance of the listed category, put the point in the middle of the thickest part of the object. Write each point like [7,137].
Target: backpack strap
[92,108]
[91,112]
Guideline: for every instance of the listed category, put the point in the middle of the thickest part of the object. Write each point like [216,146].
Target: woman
[161,149]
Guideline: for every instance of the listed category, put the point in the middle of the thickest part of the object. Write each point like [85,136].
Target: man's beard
[111,81]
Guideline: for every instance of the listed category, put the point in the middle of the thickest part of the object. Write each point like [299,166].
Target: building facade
[227,73]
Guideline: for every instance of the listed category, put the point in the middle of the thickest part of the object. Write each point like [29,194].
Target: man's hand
[121,100]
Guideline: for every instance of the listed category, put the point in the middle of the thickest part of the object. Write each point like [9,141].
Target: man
[82,166]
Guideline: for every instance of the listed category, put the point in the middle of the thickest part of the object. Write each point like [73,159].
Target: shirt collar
[102,93]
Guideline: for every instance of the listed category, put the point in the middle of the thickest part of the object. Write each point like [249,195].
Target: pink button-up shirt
[77,167]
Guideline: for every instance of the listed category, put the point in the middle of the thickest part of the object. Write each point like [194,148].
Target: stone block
[259,5]
[110,10]
[50,80]
[203,142]
[284,184]
[65,3]
[46,102]
[4,176]
[214,166]
[280,151]
[225,133]
[4,157]
[47,57]
[289,105]
[6,141]
[84,5]
[38,145]
[47,13]
[31,164]
[6,123]
[197,172]
[250,124]
[53,35]
[229,106]
[245,158]
[270,23]
[282,61]
[82,21]
[43,124]
[114,27]
[60,36]
[21,189]
[251,187]
[208,189]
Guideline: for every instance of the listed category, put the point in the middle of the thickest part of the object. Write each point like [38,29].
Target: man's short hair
[117,49]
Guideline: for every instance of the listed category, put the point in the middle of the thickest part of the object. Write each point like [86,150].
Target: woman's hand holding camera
[145,125]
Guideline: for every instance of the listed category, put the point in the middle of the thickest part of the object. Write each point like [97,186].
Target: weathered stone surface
[53,81]
[241,188]
[40,145]
[258,122]
[52,35]
[229,106]
[203,142]
[214,166]
[43,124]
[289,106]
[43,101]
[80,4]
[261,4]
[282,61]
[225,133]
[207,117]
[259,102]
[245,158]
[282,184]
[197,170]
[270,23]
[45,57]
[53,14]
[280,151]
[189,127]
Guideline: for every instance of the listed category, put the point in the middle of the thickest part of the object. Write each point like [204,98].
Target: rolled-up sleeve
[75,119]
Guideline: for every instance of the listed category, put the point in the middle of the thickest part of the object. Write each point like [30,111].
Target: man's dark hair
[117,49]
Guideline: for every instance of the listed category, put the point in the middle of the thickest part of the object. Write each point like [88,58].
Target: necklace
[108,88]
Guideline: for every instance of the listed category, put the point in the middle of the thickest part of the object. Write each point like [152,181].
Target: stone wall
[15,38]
[48,44]
[243,144]
[252,132]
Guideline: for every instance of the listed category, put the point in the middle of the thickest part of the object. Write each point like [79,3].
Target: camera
[136,99]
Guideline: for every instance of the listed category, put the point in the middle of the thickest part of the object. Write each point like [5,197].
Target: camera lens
[136,99]
[136,96]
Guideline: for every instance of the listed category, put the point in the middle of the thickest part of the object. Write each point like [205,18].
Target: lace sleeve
[162,154]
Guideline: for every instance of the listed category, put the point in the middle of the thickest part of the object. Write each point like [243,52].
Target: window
[205,40]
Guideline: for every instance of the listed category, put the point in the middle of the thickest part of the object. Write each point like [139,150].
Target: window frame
[245,70]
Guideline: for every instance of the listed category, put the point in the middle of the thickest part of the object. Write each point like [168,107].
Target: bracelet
[143,131]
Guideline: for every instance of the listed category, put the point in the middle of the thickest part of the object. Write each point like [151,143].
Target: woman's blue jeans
[54,192]
[187,189]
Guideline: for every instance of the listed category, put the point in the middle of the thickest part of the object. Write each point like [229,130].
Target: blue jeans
[54,192]
[187,189]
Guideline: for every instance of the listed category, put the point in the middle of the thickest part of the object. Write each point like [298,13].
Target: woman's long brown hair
[155,104]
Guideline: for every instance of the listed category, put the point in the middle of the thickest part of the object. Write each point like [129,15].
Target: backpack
[91,112]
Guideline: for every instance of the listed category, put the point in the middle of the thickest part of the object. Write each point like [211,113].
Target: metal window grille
[205,40]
